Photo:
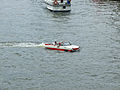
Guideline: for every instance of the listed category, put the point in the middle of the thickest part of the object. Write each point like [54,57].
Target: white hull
[61,7]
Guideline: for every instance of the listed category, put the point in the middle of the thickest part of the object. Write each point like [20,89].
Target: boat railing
[61,1]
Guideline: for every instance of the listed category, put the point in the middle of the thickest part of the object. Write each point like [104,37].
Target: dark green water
[93,25]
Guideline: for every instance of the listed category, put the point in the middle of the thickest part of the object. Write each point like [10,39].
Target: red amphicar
[61,46]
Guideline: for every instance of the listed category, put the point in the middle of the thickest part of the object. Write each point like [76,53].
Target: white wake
[10,44]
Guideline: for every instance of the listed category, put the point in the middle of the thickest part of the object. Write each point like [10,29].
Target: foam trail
[7,44]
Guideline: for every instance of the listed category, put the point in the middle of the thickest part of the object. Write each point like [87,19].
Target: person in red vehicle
[59,43]
[55,43]
[55,2]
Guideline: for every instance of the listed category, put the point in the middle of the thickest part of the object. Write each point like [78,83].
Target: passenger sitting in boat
[55,43]
[59,43]
[62,43]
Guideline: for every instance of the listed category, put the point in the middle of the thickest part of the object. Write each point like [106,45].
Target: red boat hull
[70,48]
[59,49]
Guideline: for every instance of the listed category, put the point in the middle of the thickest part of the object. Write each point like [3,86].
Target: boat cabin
[58,5]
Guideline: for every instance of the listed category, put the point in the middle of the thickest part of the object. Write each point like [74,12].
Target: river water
[94,25]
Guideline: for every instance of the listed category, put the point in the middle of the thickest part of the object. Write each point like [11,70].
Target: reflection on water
[111,9]
[60,14]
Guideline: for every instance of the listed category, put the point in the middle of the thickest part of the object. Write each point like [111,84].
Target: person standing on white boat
[68,1]
[55,2]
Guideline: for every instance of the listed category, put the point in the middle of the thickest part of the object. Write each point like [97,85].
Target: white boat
[59,5]
[61,46]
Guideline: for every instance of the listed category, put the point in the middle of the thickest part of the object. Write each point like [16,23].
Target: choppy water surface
[94,25]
